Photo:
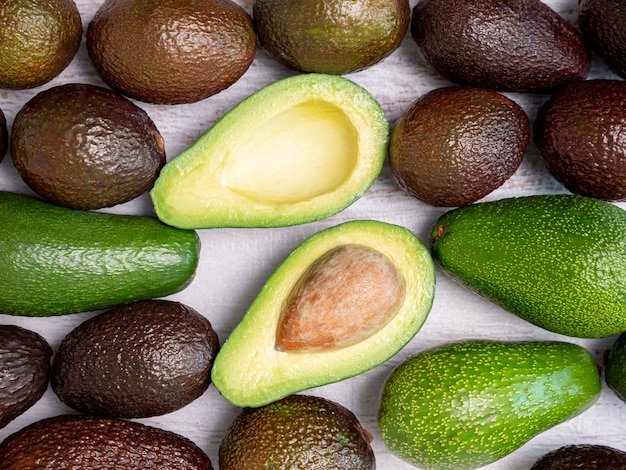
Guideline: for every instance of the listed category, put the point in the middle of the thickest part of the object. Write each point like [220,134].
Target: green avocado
[298,150]
[615,367]
[83,441]
[139,360]
[58,261]
[468,404]
[24,370]
[298,431]
[343,302]
[555,260]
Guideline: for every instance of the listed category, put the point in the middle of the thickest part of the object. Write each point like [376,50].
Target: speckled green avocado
[468,404]
[557,261]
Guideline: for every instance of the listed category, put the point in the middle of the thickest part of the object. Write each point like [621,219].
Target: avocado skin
[615,367]
[24,370]
[139,360]
[59,261]
[602,25]
[208,46]
[85,147]
[67,442]
[517,45]
[582,456]
[468,404]
[4,136]
[454,145]
[581,136]
[299,431]
[330,36]
[555,260]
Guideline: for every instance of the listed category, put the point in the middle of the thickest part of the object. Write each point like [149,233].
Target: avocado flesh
[468,404]
[298,150]
[250,371]
[557,261]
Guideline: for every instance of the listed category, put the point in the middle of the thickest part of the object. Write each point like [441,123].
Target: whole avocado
[139,360]
[4,135]
[582,457]
[615,367]
[517,45]
[602,25]
[581,136]
[465,405]
[454,145]
[24,370]
[86,147]
[555,260]
[330,36]
[66,442]
[171,51]
[298,431]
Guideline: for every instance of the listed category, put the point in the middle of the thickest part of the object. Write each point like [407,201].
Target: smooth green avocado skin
[58,261]
[557,261]
[615,367]
[468,404]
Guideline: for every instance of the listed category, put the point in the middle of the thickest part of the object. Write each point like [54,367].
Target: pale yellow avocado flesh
[298,150]
[250,371]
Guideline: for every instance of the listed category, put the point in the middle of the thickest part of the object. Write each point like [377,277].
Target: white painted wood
[235,262]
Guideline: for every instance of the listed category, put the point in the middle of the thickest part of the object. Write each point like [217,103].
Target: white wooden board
[235,262]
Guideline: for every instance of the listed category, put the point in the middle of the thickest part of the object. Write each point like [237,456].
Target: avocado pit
[347,295]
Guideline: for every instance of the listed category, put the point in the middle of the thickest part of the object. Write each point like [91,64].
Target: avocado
[330,36]
[4,136]
[581,136]
[454,145]
[24,370]
[468,404]
[517,45]
[555,260]
[170,51]
[135,361]
[85,147]
[582,457]
[59,261]
[298,150]
[346,300]
[602,25]
[38,40]
[298,431]
[67,442]
[615,367]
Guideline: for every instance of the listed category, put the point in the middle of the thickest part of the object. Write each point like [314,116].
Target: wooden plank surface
[235,262]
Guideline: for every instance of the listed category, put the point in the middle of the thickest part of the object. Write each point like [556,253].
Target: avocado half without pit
[346,300]
[298,150]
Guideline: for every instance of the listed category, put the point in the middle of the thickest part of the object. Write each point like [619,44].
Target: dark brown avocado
[85,147]
[581,135]
[4,135]
[517,45]
[143,359]
[454,145]
[603,25]
[299,431]
[24,370]
[582,457]
[68,442]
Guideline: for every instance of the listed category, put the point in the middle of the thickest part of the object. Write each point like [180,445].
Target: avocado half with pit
[298,150]
[346,300]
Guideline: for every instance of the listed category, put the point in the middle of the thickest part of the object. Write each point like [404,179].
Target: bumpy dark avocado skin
[581,135]
[85,147]
[582,457]
[4,135]
[68,442]
[306,431]
[517,45]
[139,360]
[602,25]
[24,370]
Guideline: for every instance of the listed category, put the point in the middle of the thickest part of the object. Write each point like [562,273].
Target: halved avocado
[298,150]
[338,272]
